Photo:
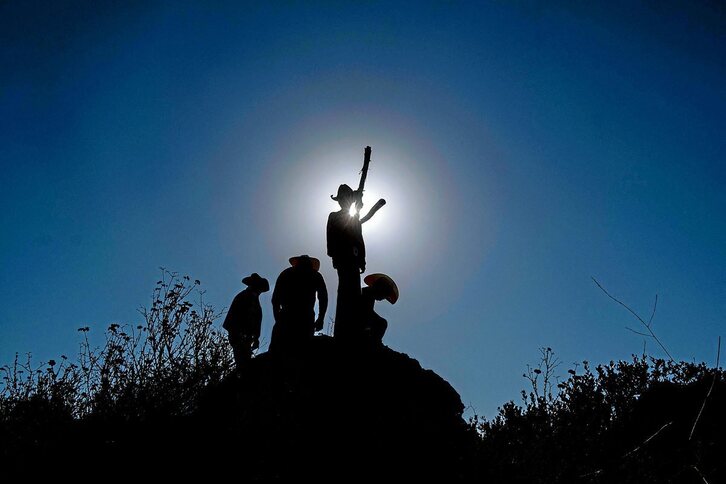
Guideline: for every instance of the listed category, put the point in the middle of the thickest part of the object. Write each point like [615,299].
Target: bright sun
[352,211]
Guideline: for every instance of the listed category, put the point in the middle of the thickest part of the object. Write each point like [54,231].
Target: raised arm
[373,210]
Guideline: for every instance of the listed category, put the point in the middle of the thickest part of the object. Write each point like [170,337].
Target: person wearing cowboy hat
[293,304]
[244,318]
[348,252]
[378,287]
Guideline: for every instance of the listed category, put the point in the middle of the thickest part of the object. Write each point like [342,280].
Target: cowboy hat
[391,287]
[344,191]
[256,282]
[315,263]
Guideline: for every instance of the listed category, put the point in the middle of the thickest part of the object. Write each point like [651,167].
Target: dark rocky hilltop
[339,412]
[330,412]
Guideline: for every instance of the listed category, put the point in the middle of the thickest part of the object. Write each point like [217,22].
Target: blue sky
[522,149]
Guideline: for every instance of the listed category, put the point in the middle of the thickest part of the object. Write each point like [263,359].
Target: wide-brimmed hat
[344,191]
[391,287]
[256,282]
[315,263]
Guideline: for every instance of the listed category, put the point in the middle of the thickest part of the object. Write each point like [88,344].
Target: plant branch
[647,325]
[648,439]
[713,382]
[638,332]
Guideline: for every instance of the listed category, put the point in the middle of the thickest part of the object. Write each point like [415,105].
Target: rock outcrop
[334,411]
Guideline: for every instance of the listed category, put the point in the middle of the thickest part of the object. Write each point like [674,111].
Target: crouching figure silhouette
[378,287]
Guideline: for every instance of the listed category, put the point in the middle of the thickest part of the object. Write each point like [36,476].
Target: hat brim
[313,261]
[257,282]
[392,295]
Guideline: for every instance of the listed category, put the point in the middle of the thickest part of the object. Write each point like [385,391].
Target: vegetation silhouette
[167,388]
[628,421]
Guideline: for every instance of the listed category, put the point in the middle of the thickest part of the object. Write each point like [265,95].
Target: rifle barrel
[364,171]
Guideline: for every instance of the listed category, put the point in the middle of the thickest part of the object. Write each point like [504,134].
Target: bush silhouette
[153,389]
[157,368]
[628,421]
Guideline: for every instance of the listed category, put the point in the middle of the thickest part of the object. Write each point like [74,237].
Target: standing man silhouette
[348,251]
[244,319]
[293,304]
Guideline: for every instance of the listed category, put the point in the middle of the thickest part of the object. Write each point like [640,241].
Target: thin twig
[713,382]
[593,473]
[636,449]
[636,315]
[652,315]
[648,439]
[638,332]
[699,473]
